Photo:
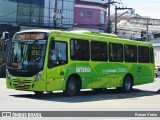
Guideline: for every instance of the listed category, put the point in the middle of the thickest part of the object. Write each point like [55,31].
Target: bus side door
[57,61]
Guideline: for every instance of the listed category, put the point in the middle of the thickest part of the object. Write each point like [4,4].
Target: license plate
[21,85]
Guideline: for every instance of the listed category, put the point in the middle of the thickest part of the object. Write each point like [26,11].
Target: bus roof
[94,33]
[86,34]
[35,30]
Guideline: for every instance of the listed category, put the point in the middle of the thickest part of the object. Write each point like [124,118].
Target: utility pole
[108,4]
[109,7]
[55,15]
[147,30]
[116,20]
[118,8]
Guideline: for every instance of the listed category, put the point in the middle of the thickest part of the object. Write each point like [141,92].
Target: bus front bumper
[25,84]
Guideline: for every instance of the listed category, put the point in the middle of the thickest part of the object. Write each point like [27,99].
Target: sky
[147,8]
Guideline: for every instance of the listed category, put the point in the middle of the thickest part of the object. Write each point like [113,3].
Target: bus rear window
[143,54]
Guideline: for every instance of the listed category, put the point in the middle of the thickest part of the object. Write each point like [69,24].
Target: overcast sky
[146,8]
[149,8]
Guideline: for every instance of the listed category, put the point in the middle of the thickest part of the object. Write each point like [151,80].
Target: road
[143,97]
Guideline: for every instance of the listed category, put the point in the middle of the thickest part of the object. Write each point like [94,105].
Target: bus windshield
[26,58]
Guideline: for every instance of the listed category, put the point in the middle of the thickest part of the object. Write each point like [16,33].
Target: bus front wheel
[127,84]
[72,87]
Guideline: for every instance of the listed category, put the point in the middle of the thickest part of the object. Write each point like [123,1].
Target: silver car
[157,71]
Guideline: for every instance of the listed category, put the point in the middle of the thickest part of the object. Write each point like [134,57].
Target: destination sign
[30,36]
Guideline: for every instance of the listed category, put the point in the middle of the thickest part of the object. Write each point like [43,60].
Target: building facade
[8,12]
[61,10]
[90,15]
[37,12]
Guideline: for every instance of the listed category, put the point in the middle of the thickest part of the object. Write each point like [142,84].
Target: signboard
[30,36]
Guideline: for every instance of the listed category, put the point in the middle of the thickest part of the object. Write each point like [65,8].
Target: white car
[157,71]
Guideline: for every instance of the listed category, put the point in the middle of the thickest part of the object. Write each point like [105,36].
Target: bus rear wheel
[72,87]
[127,84]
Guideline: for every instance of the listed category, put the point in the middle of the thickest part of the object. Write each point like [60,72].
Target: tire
[156,75]
[127,84]
[38,93]
[72,87]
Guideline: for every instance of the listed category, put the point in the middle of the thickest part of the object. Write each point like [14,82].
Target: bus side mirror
[5,35]
[52,45]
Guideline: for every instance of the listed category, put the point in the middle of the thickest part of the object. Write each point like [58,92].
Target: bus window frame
[76,58]
[100,59]
[134,55]
[122,53]
[141,59]
[62,63]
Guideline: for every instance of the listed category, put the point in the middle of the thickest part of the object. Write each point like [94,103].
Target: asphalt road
[143,97]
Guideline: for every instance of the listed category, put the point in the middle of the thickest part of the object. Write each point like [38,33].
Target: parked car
[157,71]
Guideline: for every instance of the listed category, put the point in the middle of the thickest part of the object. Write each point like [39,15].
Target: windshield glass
[26,58]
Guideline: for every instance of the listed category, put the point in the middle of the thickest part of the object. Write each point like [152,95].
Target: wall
[64,7]
[8,12]
[92,21]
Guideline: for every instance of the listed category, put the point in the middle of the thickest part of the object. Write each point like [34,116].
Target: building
[64,14]
[136,26]
[58,14]
[156,44]
[21,12]
[90,15]
[37,13]
[71,14]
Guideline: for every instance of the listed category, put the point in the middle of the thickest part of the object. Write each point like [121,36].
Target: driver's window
[57,54]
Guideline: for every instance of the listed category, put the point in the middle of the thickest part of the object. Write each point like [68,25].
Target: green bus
[49,60]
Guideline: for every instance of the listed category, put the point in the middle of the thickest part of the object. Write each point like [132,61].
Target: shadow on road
[86,96]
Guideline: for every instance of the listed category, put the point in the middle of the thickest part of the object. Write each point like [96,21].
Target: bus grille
[27,84]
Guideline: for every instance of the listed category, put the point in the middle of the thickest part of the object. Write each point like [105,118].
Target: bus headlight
[38,76]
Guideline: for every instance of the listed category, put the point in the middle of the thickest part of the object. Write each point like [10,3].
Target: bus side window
[79,50]
[115,52]
[98,51]
[57,54]
[130,52]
